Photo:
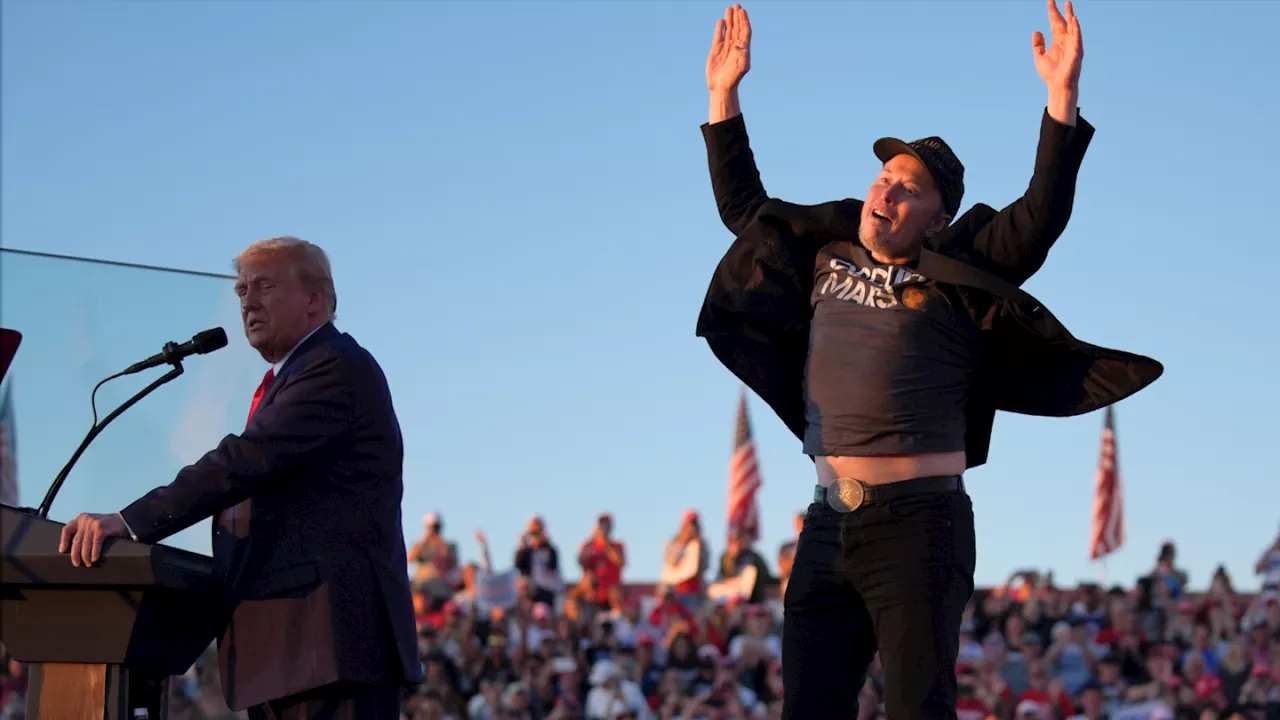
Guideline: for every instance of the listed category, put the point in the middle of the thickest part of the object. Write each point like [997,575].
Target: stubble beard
[876,242]
[889,245]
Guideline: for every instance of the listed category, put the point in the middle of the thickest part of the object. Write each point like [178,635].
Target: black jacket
[757,309]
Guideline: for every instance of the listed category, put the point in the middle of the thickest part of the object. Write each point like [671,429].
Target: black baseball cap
[933,152]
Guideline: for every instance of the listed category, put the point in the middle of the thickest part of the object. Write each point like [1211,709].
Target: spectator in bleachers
[1070,656]
[1045,692]
[611,694]
[669,610]
[1090,703]
[602,559]
[757,642]
[1167,573]
[736,558]
[542,627]
[437,573]
[538,563]
[475,576]
[685,562]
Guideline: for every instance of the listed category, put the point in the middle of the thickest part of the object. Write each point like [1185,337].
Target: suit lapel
[319,338]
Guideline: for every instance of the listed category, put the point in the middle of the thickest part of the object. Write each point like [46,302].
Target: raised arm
[1016,241]
[735,181]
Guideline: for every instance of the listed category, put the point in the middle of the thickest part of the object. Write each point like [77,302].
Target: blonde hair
[309,262]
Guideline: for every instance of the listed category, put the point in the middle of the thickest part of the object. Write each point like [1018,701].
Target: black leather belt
[848,494]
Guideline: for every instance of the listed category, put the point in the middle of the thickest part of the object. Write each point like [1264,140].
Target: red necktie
[262,390]
[236,519]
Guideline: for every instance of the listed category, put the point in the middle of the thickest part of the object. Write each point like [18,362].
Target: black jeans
[893,577]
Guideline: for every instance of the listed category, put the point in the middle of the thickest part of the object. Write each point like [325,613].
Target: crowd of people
[520,644]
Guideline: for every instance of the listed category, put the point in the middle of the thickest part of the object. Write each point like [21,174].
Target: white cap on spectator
[431,518]
[512,689]
[709,652]
[1030,707]
[602,672]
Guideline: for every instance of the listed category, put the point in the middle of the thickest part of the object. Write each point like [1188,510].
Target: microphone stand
[43,510]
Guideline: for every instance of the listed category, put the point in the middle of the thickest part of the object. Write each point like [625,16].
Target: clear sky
[516,203]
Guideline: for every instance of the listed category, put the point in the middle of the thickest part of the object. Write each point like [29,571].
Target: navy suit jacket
[317,584]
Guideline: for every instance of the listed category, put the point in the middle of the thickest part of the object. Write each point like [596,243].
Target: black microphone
[203,342]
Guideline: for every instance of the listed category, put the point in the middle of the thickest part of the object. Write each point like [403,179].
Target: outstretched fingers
[1073,27]
[743,23]
[1057,23]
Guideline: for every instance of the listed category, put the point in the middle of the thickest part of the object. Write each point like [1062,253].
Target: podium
[100,641]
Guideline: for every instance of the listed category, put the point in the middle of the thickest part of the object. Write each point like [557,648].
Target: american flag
[744,479]
[8,450]
[1108,501]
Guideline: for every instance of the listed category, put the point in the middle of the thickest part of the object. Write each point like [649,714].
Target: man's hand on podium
[84,535]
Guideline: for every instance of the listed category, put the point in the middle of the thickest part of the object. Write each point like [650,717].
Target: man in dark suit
[307,540]
[886,333]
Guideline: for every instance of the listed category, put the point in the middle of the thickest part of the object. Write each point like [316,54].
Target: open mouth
[255,324]
[880,216]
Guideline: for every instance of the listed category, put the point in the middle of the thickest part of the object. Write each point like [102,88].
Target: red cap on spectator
[1207,686]
[690,515]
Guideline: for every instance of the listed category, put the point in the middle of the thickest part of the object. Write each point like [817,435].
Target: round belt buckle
[845,494]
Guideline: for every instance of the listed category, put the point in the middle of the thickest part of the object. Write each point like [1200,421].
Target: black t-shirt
[892,356]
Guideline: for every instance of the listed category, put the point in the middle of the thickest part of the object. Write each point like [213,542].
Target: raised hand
[1059,64]
[730,56]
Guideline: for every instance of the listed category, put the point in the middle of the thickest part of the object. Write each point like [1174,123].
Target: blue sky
[516,203]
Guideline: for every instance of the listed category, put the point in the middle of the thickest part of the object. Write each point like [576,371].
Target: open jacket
[757,309]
